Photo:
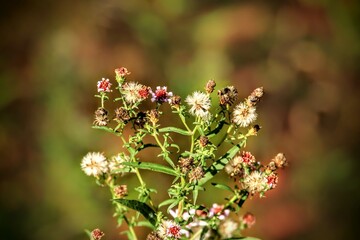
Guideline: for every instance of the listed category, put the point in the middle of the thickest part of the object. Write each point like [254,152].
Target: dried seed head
[140,120]
[280,160]
[153,116]
[227,95]
[121,191]
[122,115]
[235,168]
[153,236]
[255,96]
[270,167]
[97,234]
[210,86]
[101,117]
[175,101]
[186,164]
[204,141]
[196,174]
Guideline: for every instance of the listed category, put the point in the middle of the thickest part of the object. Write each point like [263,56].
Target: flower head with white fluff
[200,104]
[94,163]
[244,115]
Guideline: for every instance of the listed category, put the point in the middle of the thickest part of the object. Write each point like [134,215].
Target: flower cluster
[227,125]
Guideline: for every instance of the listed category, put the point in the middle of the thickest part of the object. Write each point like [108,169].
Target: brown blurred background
[305,53]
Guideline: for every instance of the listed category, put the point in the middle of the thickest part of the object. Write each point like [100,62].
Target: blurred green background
[305,53]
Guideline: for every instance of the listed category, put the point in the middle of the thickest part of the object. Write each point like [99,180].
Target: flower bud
[121,191]
[122,72]
[97,234]
[248,219]
[210,86]
[280,160]
[255,96]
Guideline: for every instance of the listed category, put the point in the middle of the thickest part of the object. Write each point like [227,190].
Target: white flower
[243,115]
[169,229]
[132,92]
[94,163]
[200,104]
[227,228]
[255,182]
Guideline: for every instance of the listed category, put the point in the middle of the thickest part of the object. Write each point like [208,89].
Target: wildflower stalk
[195,165]
[131,229]
[119,208]
[137,172]
[193,138]
[102,99]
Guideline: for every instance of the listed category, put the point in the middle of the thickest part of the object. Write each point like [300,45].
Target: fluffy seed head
[134,92]
[94,163]
[244,115]
[255,182]
[200,104]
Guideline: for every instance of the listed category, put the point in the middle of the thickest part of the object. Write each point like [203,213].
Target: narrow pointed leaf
[218,165]
[152,167]
[222,186]
[242,238]
[107,129]
[176,130]
[145,224]
[140,207]
[166,202]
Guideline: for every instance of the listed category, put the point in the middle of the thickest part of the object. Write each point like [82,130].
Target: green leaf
[222,186]
[173,204]
[141,207]
[107,129]
[176,130]
[242,238]
[166,202]
[195,195]
[145,224]
[175,146]
[152,167]
[218,165]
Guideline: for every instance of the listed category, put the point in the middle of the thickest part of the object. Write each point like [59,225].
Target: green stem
[181,204]
[184,121]
[193,138]
[168,160]
[196,235]
[102,99]
[131,229]
[141,181]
